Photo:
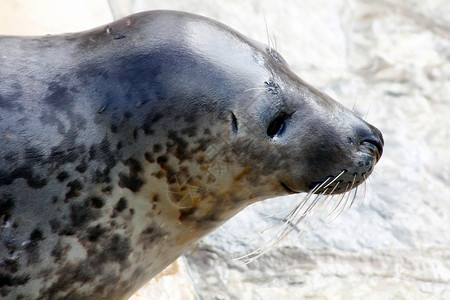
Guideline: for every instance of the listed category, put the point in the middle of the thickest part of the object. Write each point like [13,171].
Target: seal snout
[371,140]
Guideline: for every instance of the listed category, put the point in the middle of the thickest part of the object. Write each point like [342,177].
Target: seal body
[122,146]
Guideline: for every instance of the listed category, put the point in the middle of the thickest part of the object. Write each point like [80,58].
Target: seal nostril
[374,144]
[372,139]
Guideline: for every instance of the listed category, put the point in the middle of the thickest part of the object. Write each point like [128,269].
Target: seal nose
[372,139]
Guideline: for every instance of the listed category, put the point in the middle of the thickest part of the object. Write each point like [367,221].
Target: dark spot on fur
[185,213]
[82,166]
[180,146]
[118,249]
[190,131]
[68,230]
[162,160]
[6,206]
[134,165]
[62,176]
[131,211]
[95,232]
[11,265]
[159,174]
[54,225]
[59,97]
[82,213]
[157,117]
[127,115]
[135,134]
[121,204]
[132,181]
[149,157]
[36,235]
[150,236]
[74,189]
[32,247]
[208,221]
[92,152]
[147,127]
[157,148]
[155,198]
[114,128]
[59,252]
[9,280]
[119,145]
[33,155]
[107,189]
[25,172]
[203,144]
[147,130]
[70,274]
[96,202]
[103,154]
[100,176]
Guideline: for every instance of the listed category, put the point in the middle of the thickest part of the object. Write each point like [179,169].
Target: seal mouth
[288,189]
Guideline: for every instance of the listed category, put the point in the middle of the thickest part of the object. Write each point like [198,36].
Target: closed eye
[278,125]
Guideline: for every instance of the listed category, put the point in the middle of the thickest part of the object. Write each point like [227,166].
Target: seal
[123,145]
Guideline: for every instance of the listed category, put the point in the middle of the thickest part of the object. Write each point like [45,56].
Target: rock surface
[388,59]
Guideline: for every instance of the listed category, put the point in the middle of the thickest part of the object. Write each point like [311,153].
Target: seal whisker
[288,226]
[305,213]
[289,219]
[364,189]
[256,88]
[300,206]
[315,217]
[327,201]
[342,209]
[275,216]
[341,198]
[354,103]
[334,180]
[267,31]
[355,192]
[303,202]
[348,191]
[346,195]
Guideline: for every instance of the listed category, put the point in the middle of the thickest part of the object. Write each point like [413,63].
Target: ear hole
[277,126]
[234,124]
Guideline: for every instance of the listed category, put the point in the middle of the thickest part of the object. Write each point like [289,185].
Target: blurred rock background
[390,61]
